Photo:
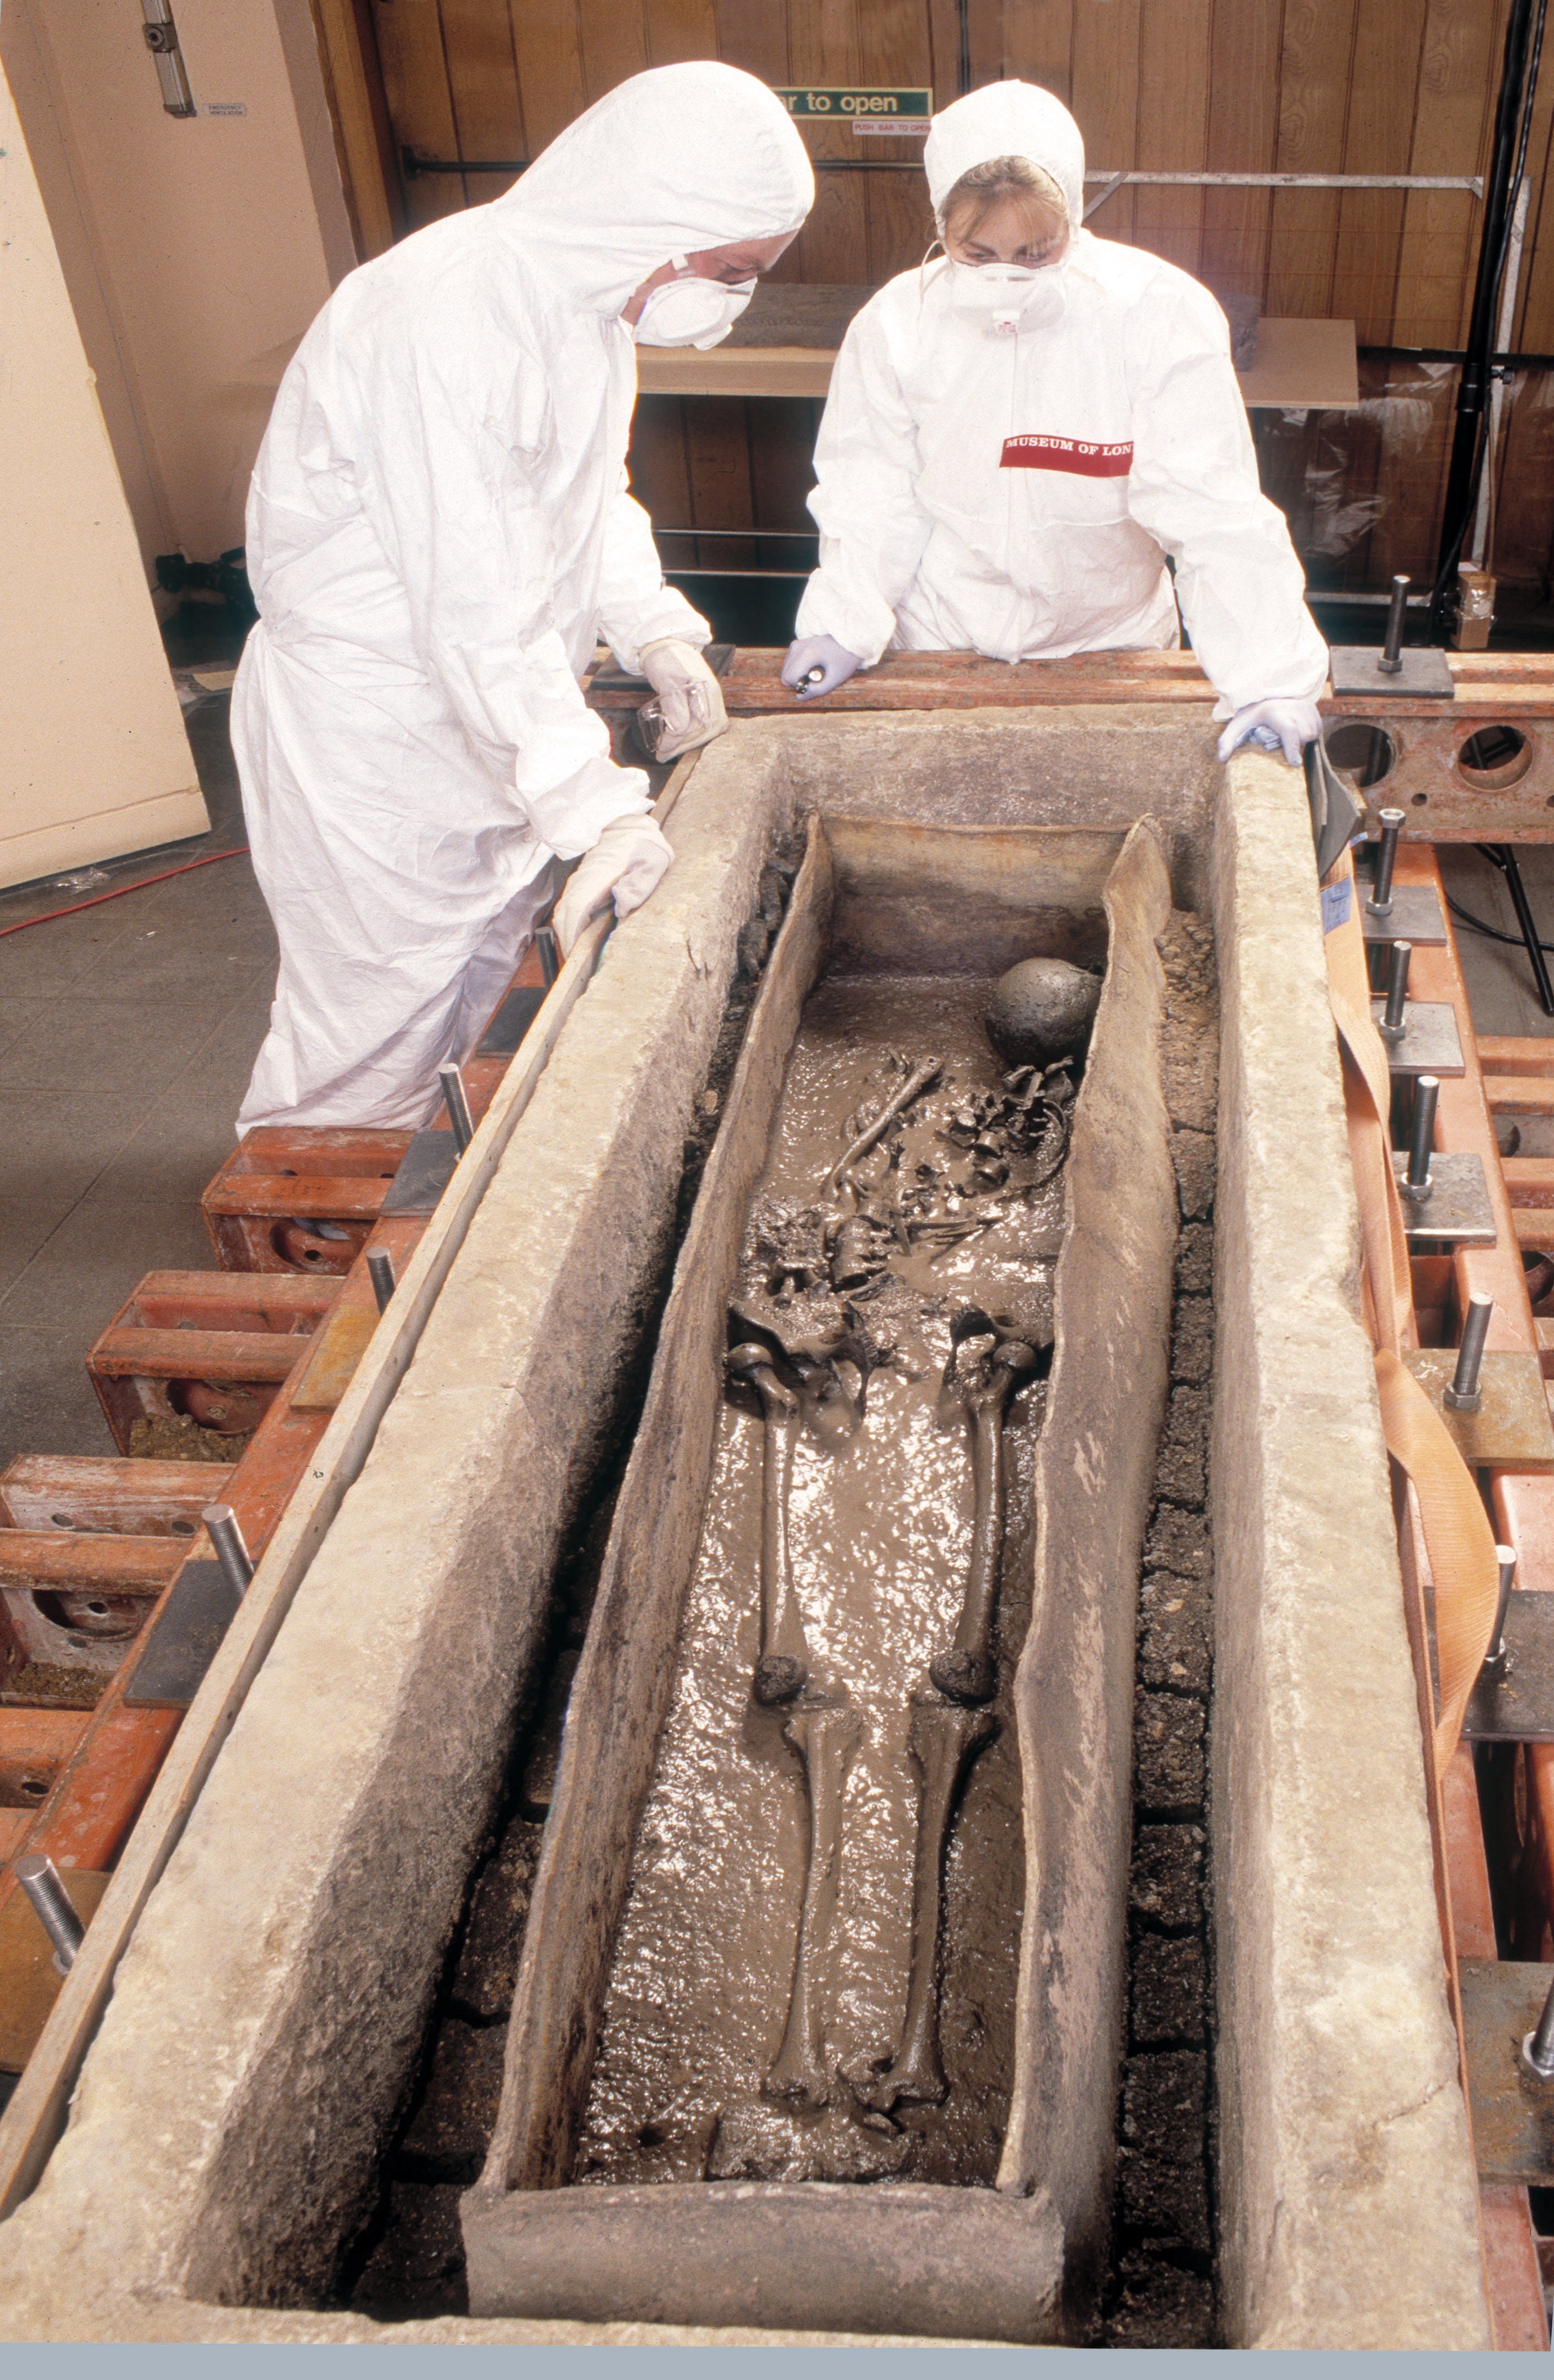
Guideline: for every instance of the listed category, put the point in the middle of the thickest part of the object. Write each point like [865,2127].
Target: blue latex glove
[834,663]
[1281,724]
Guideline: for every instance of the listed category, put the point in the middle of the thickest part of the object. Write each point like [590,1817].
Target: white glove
[1279,724]
[830,665]
[691,699]
[629,860]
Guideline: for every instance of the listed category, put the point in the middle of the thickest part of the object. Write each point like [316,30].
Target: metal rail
[412,164]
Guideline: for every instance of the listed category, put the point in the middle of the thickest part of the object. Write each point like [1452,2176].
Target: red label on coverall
[1034,451]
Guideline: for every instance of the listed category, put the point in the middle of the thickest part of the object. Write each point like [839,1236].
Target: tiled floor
[127,1036]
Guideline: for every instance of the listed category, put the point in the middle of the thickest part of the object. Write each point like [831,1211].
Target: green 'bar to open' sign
[857,102]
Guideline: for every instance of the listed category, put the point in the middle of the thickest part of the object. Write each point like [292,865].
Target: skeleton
[944,1741]
[807,1258]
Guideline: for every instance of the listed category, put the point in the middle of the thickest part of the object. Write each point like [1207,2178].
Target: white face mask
[691,313]
[1009,297]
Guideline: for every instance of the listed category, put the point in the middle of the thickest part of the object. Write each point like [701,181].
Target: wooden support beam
[1519,1095]
[1515,1053]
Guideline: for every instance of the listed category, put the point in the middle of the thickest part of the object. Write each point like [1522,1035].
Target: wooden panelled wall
[1351,86]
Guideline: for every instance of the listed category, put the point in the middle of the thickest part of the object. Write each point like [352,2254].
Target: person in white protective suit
[438,532]
[1019,433]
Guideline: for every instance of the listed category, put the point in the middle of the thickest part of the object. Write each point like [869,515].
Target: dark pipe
[1503,856]
[1474,385]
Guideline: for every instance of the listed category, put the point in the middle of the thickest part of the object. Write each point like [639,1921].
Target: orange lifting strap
[1459,1542]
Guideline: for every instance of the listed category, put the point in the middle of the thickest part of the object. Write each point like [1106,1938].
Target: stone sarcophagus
[857,1686]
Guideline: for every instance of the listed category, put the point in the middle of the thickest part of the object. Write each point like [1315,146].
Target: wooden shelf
[786,343]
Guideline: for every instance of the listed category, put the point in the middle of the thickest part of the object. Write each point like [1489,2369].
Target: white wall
[196,250]
[93,758]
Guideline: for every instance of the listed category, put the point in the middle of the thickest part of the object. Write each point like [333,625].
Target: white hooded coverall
[438,531]
[1017,493]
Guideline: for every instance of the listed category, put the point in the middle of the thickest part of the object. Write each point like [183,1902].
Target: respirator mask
[1009,297]
[691,313]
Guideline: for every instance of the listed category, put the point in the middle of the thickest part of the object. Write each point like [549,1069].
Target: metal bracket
[1513,2109]
[1430,1044]
[1356,669]
[184,1637]
[425,1171]
[510,1021]
[1513,1701]
[1336,816]
[1512,1428]
[1414,915]
[1456,1207]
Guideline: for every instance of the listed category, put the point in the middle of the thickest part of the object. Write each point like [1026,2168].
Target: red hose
[119,889]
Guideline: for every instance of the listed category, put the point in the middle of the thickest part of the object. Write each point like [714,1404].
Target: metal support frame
[413,164]
[1503,856]
[1472,183]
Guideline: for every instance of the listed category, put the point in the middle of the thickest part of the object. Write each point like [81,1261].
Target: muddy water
[881,1536]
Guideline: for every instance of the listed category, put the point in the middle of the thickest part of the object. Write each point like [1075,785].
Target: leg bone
[825,1739]
[784,1663]
[965,1672]
[945,1741]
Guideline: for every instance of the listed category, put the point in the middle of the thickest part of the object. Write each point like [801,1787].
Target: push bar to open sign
[812,105]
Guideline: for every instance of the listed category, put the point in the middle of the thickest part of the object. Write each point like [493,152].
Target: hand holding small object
[817,665]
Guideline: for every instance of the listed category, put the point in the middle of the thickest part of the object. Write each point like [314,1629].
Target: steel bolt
[1380,902]
[457,1106]
[1390,662]
[1537,2047]
[1392,1025]
[237,1563]
[1506,1557]
[1416,1183]
[39,1878]
[1463,1396]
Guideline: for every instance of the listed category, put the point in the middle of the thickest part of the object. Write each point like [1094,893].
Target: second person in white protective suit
[438,533]
[1019,433]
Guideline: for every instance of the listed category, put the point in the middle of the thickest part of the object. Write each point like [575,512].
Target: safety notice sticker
[1335,904]
[1033,452]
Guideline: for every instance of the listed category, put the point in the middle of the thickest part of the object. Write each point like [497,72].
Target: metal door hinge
[162,40]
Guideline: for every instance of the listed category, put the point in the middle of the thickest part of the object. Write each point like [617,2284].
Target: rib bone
[944,1741]
[825,1738]
[783,1664]
[966,1672]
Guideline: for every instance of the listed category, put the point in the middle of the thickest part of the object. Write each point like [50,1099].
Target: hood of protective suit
[679,159]
[1006,119]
